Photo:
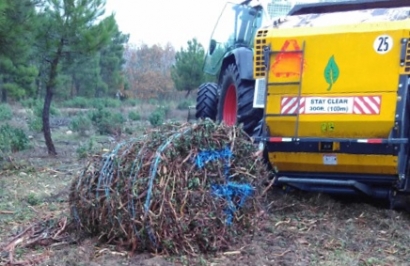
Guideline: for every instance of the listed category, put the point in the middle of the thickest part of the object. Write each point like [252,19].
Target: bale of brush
[180,189]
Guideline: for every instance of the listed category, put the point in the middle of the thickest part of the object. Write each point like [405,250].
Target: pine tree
[111,63]
[69,27]
[16,42]
[187,72]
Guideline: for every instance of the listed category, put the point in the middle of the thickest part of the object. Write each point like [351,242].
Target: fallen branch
[6,212]
[44,233]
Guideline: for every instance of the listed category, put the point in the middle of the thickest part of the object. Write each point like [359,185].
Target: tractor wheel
[236,101]
[207,101]
[259,129]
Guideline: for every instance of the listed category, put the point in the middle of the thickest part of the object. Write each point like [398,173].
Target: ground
[299,228]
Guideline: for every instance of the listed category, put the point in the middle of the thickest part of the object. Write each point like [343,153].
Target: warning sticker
[363,105]
[329,105]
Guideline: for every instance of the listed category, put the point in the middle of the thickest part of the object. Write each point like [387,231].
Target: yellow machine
[335,81]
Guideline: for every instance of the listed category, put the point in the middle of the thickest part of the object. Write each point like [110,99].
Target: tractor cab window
[236,27]
[248,21]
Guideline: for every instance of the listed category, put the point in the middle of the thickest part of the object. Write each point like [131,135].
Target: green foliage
[78,102]
[157,117]
[85,150]
[98,74]
[36,105]
[12,139]
[38,109]
[132,102]
[33,199]
[129,131]
[83,102]
[134,116]
[107,121]
[35,123]
[81,124]
[5,112]
[17,25]
[184,105]
[111,62]
[69,34]
[106,102]
[152,101]
[187,72]
[30,103]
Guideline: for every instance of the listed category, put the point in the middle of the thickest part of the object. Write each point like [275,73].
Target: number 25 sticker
[383,44]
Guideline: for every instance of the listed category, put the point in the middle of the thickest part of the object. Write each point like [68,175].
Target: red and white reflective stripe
[273,139]
[377,141]
[369,105]
[358,105]
[290,104]
[370,141]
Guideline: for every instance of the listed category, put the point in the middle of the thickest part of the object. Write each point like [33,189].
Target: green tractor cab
[229,61]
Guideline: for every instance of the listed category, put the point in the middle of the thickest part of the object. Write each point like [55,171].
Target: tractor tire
[236,101]
[259,129]
[207,101]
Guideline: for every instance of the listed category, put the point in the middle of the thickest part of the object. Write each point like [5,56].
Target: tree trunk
[49,96]
[3,92]
[72,93]
[3,96]
[46,122]
[38,84]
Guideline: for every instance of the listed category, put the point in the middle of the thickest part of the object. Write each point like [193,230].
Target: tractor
[324,90]
[230,60]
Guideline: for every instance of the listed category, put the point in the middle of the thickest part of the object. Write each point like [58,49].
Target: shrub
[30,103]
[184,105]
[106,121]
[134,116]
[152,101]
[37,106]
[38,109]
[12,139]
[106,102]
[35,123]
[132,102]
[5,112]
[157,117]
[129,131]
[82,102]
[85,150]
[33,199]
[81,124]
[78,102]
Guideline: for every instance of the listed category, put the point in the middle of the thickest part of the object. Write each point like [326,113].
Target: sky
[161,21]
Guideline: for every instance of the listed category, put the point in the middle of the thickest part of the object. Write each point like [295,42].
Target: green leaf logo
[331,72]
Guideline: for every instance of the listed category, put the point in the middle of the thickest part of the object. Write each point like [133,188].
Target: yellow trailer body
[336,95]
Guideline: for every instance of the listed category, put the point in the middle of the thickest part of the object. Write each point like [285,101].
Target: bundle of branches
[181,189]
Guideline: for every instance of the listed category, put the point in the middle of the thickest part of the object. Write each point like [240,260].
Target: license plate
[329,160]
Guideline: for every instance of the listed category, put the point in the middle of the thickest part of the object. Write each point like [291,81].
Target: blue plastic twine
[153,171]
[230,190]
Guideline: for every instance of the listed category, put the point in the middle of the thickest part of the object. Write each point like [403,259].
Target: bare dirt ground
[301,228]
